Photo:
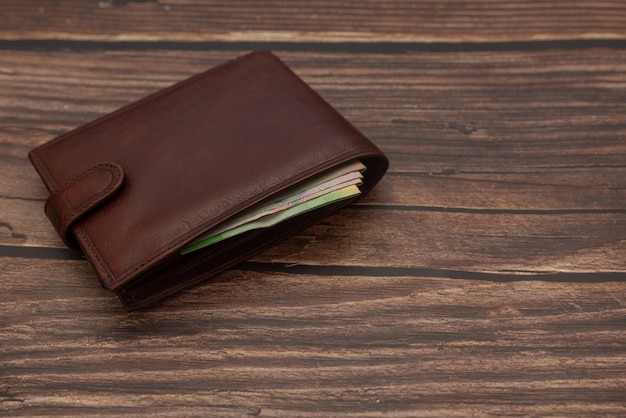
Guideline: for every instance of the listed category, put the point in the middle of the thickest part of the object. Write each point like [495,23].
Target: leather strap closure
[74,199]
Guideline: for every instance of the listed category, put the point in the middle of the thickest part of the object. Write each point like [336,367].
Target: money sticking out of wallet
[332,186]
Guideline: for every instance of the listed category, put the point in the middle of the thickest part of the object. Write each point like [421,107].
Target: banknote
[288,200]
[273,219]
[335,179]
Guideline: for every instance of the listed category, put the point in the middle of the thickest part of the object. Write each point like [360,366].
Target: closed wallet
[134,187]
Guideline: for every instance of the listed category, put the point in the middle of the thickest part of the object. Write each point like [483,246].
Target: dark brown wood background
[485,275]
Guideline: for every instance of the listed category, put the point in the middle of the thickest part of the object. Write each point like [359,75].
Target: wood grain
[485,275]
[318,346]
[314,21]
[444,117]
[489,159]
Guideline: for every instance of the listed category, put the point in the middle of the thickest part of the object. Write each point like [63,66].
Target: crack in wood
[354,47]
[364,271]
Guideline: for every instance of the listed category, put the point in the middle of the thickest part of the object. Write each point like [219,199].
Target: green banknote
[274,218]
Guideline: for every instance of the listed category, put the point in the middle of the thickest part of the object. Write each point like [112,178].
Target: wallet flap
[75,198]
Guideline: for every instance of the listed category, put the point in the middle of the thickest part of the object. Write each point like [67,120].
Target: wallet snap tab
[75,198]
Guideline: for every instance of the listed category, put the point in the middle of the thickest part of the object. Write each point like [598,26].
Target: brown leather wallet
[134,187]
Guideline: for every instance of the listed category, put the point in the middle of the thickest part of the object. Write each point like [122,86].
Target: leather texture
[74,199]
[135,186]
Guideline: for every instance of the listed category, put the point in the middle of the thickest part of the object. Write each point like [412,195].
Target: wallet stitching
[111,186]
[43,169]
[84,238]
[64,186]
[66,221]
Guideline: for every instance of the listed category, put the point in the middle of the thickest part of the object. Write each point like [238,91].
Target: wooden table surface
[484,275]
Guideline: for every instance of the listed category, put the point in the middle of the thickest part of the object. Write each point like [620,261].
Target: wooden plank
[314,21]
[440,122]
[505,243]
[483,276]
[296,344]
[523,195]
